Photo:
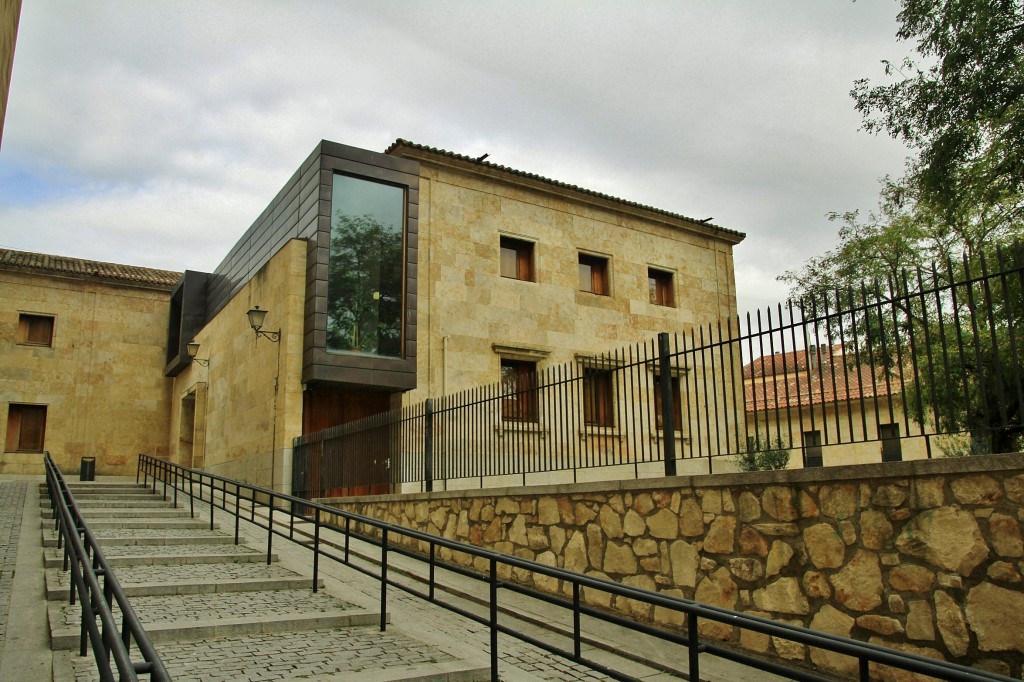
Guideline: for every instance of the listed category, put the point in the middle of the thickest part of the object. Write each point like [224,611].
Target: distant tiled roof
[400,143]
[790,380]
[133,274]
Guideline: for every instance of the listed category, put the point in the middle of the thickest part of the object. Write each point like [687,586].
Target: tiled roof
[830,377]
[80,267]
[398,144]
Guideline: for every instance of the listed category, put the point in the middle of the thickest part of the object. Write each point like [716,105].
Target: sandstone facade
[921,556]
[100,378]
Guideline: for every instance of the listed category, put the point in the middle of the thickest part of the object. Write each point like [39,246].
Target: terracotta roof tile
[398,144]
[786,380]
[41,262]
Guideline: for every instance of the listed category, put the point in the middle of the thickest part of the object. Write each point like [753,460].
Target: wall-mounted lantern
[256,318]
[192,350]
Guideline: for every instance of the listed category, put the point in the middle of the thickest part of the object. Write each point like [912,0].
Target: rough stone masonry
[925,556]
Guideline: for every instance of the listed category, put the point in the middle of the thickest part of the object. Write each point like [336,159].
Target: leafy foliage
[948,331]
[960,105]
[764,456]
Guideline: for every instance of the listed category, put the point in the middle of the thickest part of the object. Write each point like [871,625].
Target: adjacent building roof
[400,145]
[819,375]
[79,267]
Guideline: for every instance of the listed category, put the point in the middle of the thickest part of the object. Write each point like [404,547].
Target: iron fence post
[494,618]
[668,427]
[316,547]
[693,645]
[383,579]
[428,445]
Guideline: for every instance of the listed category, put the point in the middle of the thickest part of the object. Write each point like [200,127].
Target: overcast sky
[154,133]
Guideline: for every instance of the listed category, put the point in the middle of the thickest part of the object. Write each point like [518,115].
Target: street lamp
[256,318]
[192,350]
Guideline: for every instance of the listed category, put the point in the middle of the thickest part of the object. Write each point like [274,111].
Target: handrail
[96,600]
[174,475]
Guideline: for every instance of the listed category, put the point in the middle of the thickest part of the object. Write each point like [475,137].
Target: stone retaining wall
[923,556]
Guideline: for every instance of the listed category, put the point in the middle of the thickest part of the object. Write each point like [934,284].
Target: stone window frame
[15,433]
[598,272]
[661,286]
[36,329]
[600,364]
[516,353]
[523,255]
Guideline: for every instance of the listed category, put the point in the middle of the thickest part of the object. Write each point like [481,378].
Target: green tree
[959,105]
[364,286]
[911,275]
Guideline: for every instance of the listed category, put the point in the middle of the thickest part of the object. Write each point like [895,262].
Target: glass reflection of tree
[365,285]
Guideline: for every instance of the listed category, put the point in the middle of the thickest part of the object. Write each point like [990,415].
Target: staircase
[220,611]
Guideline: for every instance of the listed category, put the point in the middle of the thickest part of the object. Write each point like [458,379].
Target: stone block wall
[924,556]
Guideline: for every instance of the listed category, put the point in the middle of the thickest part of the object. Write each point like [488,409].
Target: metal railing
[241,501]
[894,363]
[95,587]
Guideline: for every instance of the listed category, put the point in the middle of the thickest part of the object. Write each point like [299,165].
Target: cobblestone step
[109,515]
[110,538]
[167,580]
[100,503]
[184,554]
[356,653]
[175,618]
[218,611]
[184,523]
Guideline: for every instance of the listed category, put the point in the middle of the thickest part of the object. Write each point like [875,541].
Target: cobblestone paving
[131,533]
[512,652]
[285,655]
[223,606]
[179,573]
[12,502]
[176,550]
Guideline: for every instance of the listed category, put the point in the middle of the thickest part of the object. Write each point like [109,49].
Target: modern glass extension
[364,288]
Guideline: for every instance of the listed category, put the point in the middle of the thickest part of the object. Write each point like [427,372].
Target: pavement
[217,612]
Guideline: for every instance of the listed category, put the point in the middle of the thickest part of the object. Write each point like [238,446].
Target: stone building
[828,409]
[83,343]
[391,277]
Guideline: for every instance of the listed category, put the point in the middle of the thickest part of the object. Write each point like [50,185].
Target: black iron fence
[95,587]
[288,517]
[846,376]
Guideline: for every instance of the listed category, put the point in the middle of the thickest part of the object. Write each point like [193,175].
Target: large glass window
[364,289]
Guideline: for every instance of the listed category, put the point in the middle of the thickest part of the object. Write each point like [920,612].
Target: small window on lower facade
[26,428]
[659,284]
[35,330]
[517,259]
[677,407]
[812,449]
[594,274]
[518,390]
[892,450]
[598,397]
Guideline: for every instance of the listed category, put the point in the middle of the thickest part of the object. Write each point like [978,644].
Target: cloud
[155,133]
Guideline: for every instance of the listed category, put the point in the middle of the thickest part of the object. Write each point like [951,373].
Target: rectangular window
[517,259]
[677,405]
[598,397]
[26,428]
[518,390]
[659,284]
[366,270]
[812,449]
[35,330]
[892,450]
[594,274]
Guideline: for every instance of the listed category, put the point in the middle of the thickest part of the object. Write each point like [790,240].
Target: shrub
[764,455]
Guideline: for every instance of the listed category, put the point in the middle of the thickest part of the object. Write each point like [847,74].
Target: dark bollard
[88,470]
